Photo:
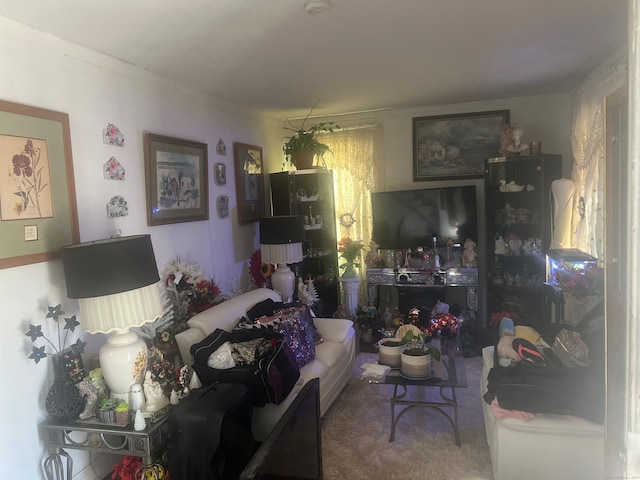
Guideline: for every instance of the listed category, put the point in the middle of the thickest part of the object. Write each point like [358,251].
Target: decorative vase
[63,400]
[415,361]
[302,159]
[389,352]
[349,270]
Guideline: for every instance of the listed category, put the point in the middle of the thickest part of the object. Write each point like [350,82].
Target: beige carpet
[355,434]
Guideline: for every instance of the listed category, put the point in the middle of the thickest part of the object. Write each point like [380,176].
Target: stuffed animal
[469,255]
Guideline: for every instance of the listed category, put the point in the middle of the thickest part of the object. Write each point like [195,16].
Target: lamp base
[283,282]
[123,360]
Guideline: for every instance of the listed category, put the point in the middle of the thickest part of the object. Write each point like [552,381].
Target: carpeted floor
[355,434]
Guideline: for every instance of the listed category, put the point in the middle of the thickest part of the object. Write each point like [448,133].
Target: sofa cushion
[296,333]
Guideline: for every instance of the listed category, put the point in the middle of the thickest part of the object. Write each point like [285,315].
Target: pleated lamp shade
[116,283]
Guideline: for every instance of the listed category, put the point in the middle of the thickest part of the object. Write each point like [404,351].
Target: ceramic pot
[302,159]
[389,352]
[414,364]
[123,418]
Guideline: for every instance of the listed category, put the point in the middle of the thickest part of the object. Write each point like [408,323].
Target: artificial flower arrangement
[70,355]
[437,324]
[260,272]
[187,292]
[367,317]
[130,468]
[350,250]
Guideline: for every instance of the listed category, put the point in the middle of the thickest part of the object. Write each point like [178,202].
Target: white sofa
[553,447]
[333,363]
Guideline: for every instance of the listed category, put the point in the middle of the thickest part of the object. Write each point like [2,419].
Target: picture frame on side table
[447,147]
[176,172]
[249,182]
[38,209]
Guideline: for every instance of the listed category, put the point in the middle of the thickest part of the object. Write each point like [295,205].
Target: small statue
[501,247]
[372,259]
[511,142]
[153,391]
[469,255]
[87,389]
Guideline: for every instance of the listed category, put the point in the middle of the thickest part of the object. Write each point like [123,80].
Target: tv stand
[466,278]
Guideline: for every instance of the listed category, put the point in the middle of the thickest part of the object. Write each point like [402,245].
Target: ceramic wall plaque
[221,148]
[220,173]
[113,136]
[113,170]
[117,207]
[222,206]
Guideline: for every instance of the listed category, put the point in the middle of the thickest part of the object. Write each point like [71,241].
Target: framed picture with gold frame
[176,176]
[249,182]
[38,209]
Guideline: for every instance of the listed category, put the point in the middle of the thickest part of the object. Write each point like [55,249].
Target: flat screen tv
[293,450]
[410,218]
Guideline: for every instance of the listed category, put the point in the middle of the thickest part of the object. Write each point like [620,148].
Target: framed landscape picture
[38,210]
[455,146]
[176,176]
[249,182]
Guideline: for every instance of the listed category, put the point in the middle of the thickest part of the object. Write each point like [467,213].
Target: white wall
[45,72]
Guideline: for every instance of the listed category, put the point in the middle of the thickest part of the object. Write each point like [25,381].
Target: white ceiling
[361,55]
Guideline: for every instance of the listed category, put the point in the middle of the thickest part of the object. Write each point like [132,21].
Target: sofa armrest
[185,339]
[333,329]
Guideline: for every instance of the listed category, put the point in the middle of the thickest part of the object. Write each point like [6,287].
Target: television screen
[409,218]
[293,450]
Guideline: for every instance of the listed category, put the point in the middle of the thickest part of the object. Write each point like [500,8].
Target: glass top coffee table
[447,375]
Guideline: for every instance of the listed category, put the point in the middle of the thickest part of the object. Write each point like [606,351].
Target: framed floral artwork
[176,176]
[455,146]
[38,209]
[249,182]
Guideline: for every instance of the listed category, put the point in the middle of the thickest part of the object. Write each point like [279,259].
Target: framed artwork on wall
[249,182]
[38,210]
[176,176]
[220,173]
[455,146]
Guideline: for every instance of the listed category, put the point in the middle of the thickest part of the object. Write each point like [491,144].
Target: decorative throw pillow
[295,332]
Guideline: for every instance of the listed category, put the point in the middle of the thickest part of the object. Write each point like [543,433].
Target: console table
[424,278]
[100,437]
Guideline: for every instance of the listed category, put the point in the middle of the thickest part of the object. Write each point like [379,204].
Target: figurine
[511,142]
[153,391]
[501,247]
[88,390]
[372,258]
[469,255]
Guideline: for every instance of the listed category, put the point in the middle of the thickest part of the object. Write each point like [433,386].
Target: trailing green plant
[306,139]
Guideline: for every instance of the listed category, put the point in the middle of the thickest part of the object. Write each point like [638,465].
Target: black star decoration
[71,323]
[38,354]
[34,332]
[55,312]
[78,346]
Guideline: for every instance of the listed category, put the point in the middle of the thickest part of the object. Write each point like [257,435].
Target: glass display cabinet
[310,193]
[518,233]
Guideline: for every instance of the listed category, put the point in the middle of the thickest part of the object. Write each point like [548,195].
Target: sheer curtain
[587,141]
[355,164]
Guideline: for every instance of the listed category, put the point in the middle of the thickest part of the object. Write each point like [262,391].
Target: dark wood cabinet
[518,233]
[310,193]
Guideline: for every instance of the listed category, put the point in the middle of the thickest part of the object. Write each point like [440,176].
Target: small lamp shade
[281,243]
[116,284]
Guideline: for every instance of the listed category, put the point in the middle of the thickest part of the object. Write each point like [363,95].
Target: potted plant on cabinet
[301,147]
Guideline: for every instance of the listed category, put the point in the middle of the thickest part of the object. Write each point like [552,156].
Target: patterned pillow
[295,331]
